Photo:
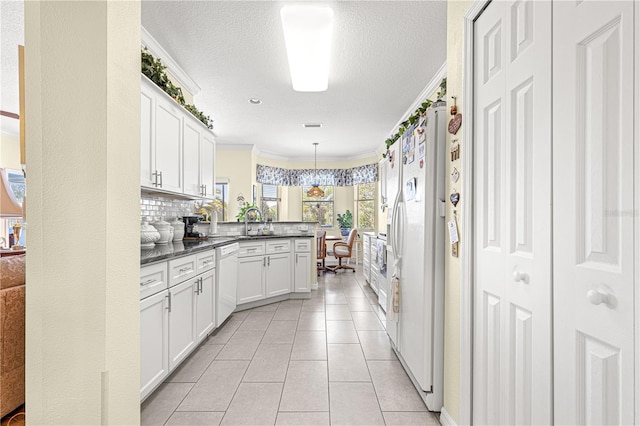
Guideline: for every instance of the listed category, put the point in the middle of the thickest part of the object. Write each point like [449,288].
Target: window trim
[358,200]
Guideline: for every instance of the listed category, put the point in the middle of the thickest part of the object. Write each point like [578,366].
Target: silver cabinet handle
[269,261]
[183,270]
[155,177]
[200,285]
[160,179]
[264,261]
[169,304]
[205,190]
[207,262]
[252,249]
[278,247]
[147,282]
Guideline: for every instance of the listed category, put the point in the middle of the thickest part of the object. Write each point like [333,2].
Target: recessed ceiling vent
[312,125]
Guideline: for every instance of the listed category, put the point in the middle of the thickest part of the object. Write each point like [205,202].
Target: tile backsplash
[154,207]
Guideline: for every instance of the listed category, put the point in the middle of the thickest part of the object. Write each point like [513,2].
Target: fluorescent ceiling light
[307,36]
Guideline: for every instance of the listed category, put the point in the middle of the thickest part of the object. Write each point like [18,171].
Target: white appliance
[227,280]
[415,255]
[381,258]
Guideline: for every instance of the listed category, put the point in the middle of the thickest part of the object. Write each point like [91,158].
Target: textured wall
[83,129]
[455,11]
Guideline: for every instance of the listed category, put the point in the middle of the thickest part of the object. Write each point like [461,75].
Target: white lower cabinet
[154,341]
[173,321]
[205,305]
[182,313]
[250,279]
[278,274]
[302,273]
[302,266]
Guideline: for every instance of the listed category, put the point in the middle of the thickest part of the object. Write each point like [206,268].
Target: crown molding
[426,92]
[176,70]
[235,147]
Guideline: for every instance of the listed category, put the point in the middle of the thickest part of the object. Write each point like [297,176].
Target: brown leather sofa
[12,326]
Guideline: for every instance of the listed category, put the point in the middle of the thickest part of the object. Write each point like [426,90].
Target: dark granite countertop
[186,247]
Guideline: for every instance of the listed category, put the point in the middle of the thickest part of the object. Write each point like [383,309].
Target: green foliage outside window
[366,206]
[318,209]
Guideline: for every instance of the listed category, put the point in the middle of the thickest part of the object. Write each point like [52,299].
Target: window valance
[325,177]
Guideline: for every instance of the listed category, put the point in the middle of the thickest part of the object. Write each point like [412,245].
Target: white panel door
[154,342]
[205,305]
[278,274]
[147,137]
[251,279]
[593,191]
[181,321]
[302,273]
[207,165]
[191,159]
[168,130]
[512,221]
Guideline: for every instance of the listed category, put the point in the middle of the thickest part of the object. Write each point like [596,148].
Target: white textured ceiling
[383,55]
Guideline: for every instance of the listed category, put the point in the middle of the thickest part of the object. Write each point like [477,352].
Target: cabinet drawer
[280,246]
[182,269]
[302,245]
[153,279]
[251,249]
[206,261]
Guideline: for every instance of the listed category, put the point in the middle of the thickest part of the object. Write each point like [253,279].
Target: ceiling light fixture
[315,191]
[255,101]
[307,36]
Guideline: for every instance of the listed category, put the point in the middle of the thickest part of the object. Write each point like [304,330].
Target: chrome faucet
[246,218]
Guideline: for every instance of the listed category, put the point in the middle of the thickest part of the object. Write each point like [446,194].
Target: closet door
[593,187]
[512,372]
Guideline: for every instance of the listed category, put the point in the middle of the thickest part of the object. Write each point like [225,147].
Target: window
[18,186]
[269,202]
[318,209]
[222,194]
[365,208]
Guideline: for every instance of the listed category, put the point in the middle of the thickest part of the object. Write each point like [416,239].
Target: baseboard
[446,419]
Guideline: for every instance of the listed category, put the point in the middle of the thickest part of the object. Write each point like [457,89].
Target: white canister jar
[149,235]
[165,230]
[178,229]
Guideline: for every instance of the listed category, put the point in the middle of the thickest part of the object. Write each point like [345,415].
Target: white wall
[83,264]
[455,13]
[10,151]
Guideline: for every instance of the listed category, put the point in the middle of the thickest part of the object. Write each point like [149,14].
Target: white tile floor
[323,361]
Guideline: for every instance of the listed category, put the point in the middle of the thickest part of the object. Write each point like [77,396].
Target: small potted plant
[345,222]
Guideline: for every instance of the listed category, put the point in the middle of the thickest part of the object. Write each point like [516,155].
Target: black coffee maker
[191,229]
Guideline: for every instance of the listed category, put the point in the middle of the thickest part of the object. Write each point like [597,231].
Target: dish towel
[395,298]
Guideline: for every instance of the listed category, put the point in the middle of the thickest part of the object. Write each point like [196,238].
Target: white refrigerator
[415,254]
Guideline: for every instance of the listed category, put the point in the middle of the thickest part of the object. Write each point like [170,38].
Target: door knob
[600,296]
[520,276]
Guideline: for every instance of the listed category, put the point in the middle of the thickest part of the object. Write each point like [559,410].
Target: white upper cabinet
[177,152]
[207,163]
[192,138]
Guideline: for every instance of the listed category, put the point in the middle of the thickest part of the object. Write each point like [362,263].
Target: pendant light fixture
[315,191]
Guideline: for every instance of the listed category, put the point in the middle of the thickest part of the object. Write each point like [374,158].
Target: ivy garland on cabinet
[155,71]
[415,116]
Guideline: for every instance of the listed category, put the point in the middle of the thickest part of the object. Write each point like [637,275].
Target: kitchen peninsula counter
[186,247]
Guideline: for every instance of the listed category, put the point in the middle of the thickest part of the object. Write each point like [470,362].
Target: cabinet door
[205,305]
[302,272]
[154,342]
[191,159]
[168,127]
[278,274]
[250,279]
[207,163]
[181,321]
[147,128]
